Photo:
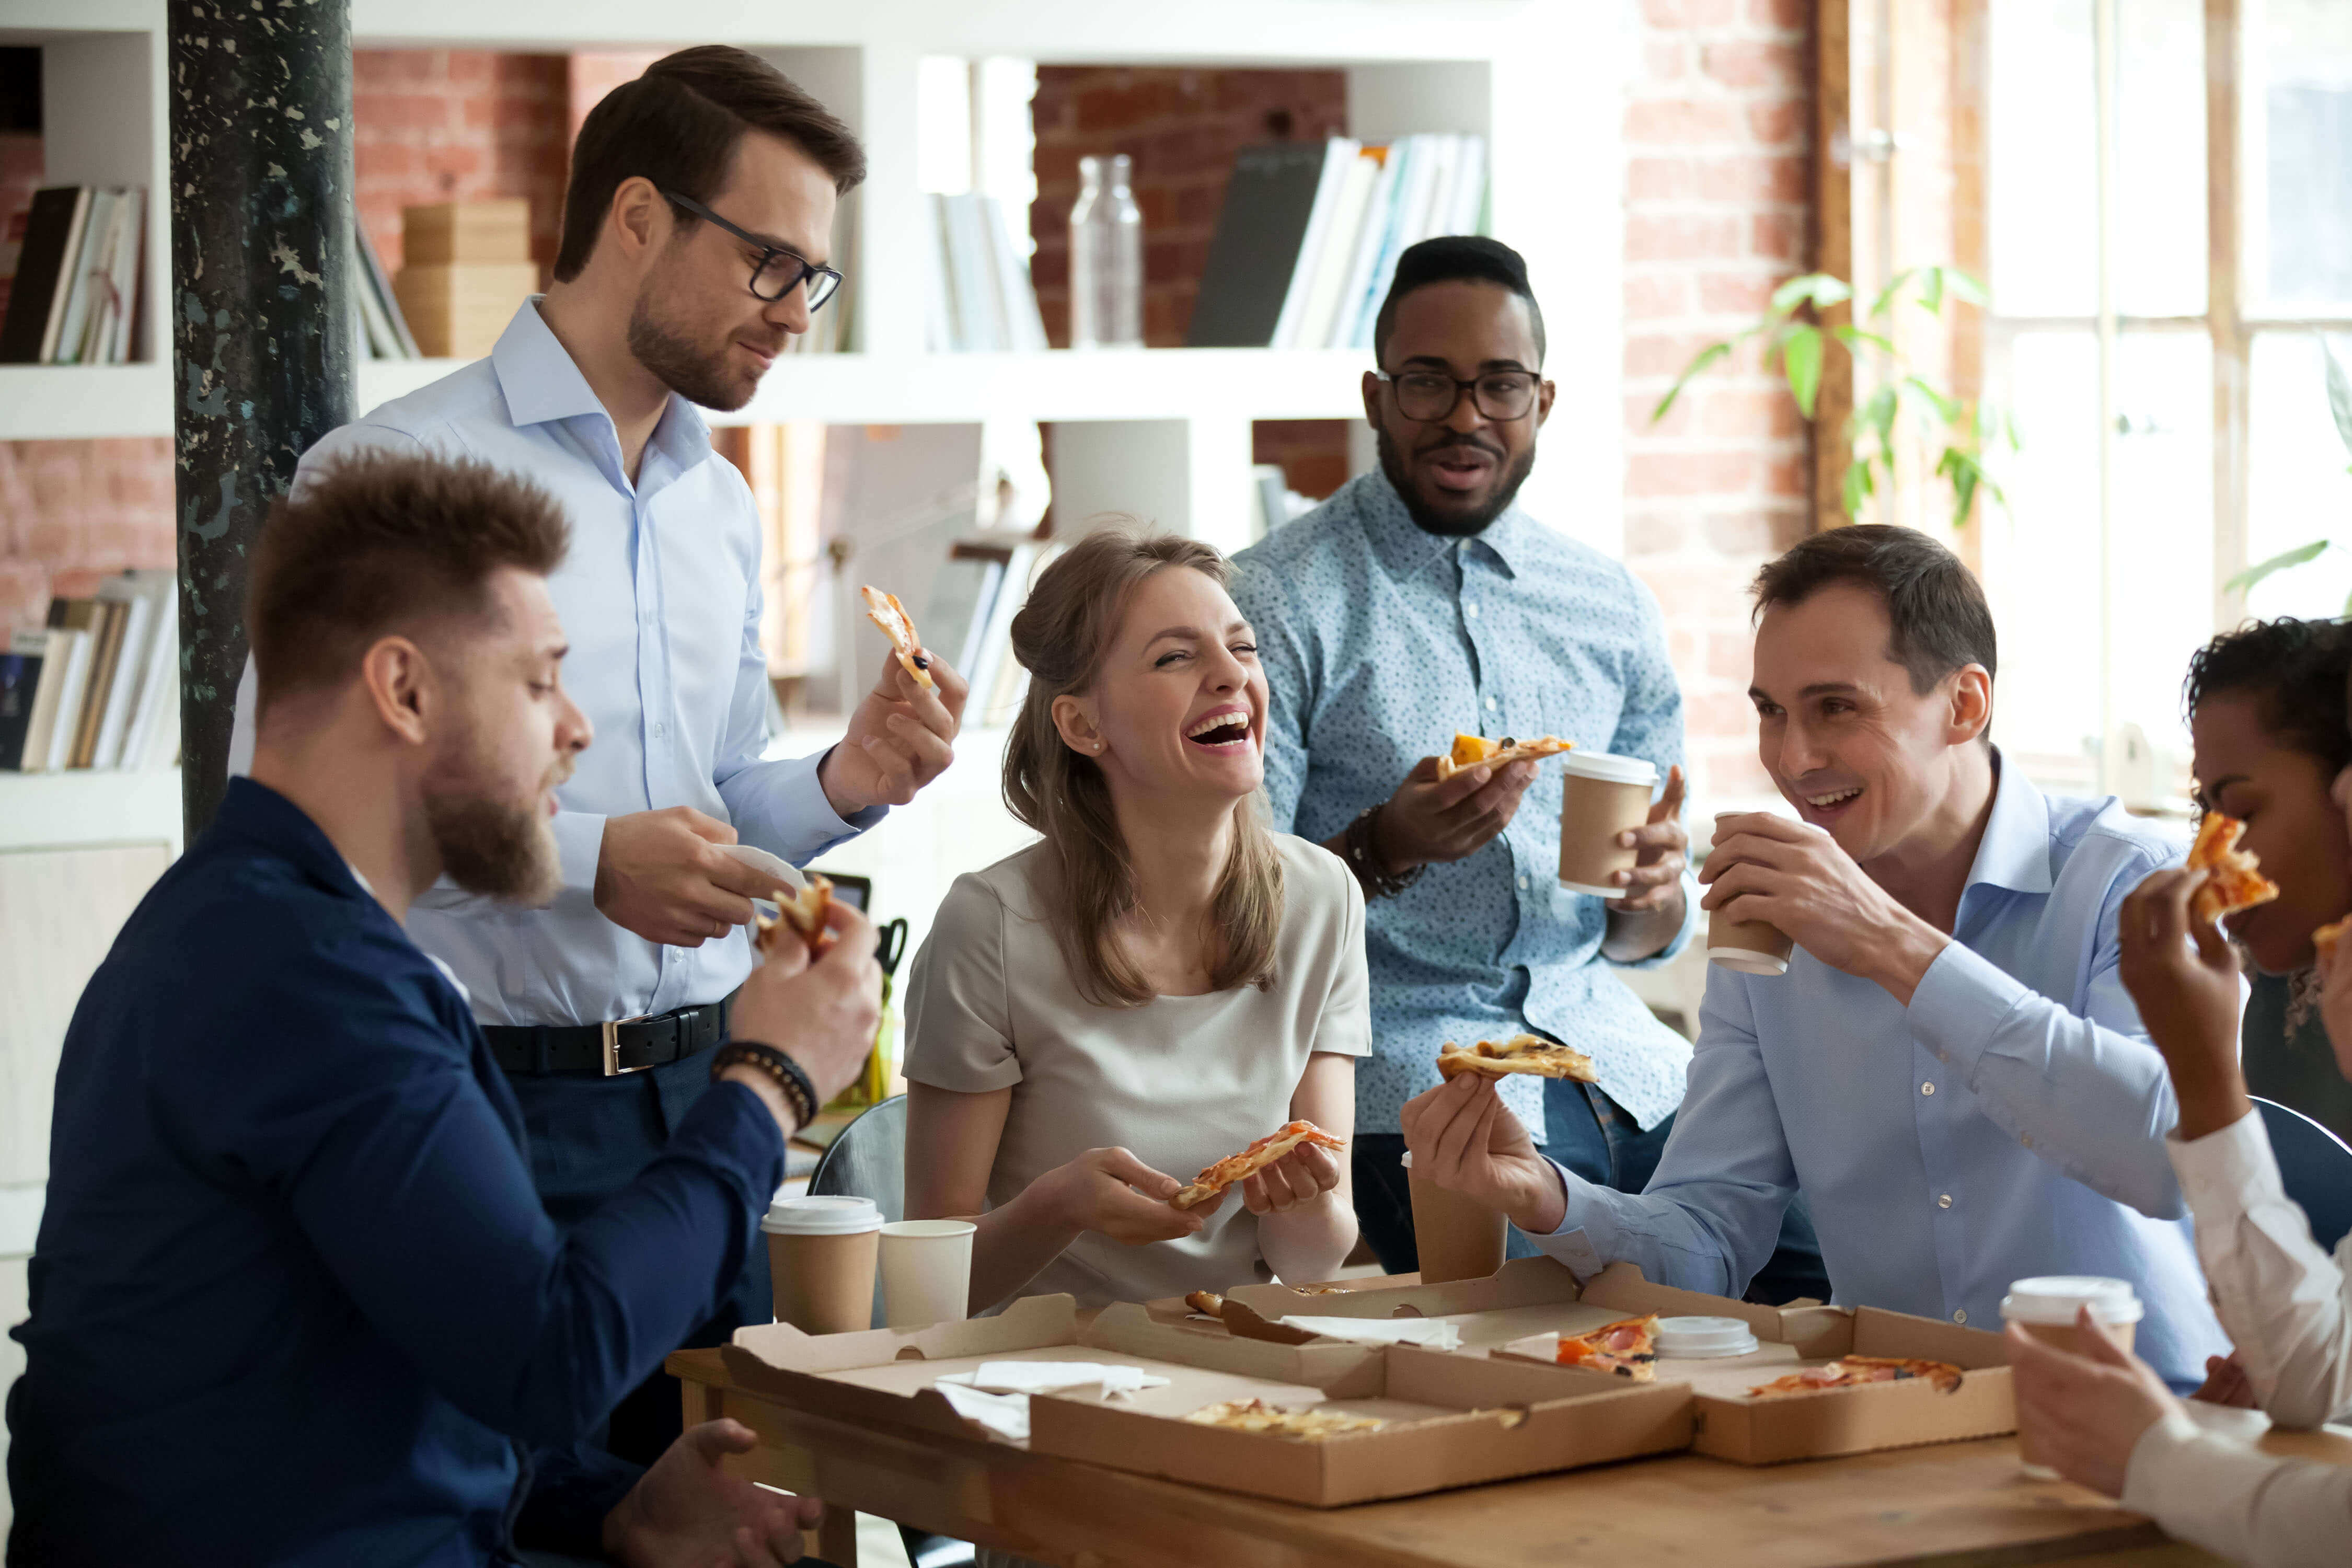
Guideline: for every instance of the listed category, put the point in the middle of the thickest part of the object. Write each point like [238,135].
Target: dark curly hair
[2296,670]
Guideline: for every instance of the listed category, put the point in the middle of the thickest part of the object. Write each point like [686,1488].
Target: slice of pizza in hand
[1469,750]
[2325,938]
[1521,1053]
[884,611]
[1254,1159]
[803,916]
[1854,1371]
[1626,1348]
[2232,881]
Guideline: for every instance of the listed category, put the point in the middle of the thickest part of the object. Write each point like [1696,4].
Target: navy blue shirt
[294,1298]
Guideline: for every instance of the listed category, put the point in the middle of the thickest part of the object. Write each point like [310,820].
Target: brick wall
[74,511]
[1718,135]
[446,125]
[1182,129]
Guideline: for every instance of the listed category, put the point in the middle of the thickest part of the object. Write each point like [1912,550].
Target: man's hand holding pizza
[1429,819]
[1463,1138]
[1794,875]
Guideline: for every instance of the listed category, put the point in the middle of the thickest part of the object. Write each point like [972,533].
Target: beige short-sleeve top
[1182,1081]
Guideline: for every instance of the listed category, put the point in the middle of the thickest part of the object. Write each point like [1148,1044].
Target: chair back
[869,1160]
[2316,1168]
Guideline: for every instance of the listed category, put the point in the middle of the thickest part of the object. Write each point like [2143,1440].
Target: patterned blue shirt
[1379,641]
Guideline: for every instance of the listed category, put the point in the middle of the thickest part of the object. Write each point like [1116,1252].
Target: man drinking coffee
[1950,1070]
[294,1300]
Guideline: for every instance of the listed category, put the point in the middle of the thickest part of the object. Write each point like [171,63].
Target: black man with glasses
[696,239]
[1419,601]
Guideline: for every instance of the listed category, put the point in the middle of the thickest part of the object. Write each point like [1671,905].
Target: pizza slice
[1254,1159]
[1208,1303]
[1854,1371]
[1469,750]
[1521,1053]
[2325,938]
[1280,1420]
[2232,883]
[1626,1348]
[803,916]
[884,611]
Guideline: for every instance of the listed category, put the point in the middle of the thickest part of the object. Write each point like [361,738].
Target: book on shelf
[383,330]
[1309,235]
[109,694]
[20,684]
[56,707]
[76,293]
[147,681]
[979,298]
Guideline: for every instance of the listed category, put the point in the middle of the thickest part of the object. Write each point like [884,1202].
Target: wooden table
[1956,1505]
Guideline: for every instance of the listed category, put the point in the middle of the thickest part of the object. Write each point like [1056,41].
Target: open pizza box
[1520,1312]
[1452,1421]
[1180,1312]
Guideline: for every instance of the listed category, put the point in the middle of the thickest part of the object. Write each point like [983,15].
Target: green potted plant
[2339,405]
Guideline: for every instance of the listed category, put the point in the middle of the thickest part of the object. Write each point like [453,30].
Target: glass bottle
[1106,258]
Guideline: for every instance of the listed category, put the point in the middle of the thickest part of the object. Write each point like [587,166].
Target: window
[2159,352]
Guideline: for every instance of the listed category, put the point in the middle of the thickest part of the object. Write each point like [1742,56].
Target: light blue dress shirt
[660,597]
[1379,641]
[2010,1123]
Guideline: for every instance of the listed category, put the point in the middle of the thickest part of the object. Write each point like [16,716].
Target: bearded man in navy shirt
[295,1299]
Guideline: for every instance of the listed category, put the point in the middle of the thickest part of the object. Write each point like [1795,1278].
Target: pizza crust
[1232,1168]
[1858,1372]
[2232,882]
[1280,1421]
[1519,1054]
[2325,938]
[1208,1303]
[1469,750]
[884,611]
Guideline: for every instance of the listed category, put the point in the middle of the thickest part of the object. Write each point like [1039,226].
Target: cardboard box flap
[1130,1329]
[1880,1333]
[1819,1332]
[1522,1282]
[1029,1323]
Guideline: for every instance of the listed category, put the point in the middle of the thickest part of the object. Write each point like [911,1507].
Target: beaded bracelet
[1364,861]
[798,1091]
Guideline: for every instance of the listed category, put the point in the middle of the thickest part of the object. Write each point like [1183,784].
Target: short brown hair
[1936,615]
[678,125]
[379,541]
[1088,885]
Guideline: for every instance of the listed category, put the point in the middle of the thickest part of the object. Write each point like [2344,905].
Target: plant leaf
[1948,409]
[1931,292]
[1819,289]
[2295,557]
[1857,487]
[2340,394]
[1965,287]
[1878,416]
[1801,358]
[1879,307]
[1706,357]
[1850,336]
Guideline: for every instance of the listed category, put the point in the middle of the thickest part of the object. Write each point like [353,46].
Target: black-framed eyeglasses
[778,272]
[1430,395]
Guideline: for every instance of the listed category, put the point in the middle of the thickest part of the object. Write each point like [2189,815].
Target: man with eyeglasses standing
[1419,601]
[696,232]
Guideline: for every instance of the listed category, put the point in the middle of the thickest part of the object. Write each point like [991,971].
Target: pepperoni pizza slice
[1469,750]
[1626,1348]
[2231,883]
[1254,1159]
[1854,1371]
[884,611]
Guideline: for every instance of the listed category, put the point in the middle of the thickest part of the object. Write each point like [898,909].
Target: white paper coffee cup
[925,1271]
[2046,1307]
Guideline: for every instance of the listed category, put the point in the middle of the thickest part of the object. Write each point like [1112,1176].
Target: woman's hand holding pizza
[2183,976]
[1113,1194]
[1465,1140]
[1300,1177]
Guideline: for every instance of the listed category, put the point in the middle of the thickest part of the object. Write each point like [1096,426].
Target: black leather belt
[625,1046]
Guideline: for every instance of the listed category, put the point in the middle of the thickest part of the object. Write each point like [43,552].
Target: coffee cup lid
[1703,1338]
[2053,1299]
[1611,769]
[820,1216]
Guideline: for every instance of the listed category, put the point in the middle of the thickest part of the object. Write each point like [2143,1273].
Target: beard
[498,849]
[1452,524]
[679,362]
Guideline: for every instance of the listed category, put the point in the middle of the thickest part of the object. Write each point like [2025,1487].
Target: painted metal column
[260,311]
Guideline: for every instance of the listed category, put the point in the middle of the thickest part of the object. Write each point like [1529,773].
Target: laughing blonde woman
[1158,983]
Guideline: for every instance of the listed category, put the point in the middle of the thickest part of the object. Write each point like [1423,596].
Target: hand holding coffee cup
[1752,947]
[2082,1316]
[1661,849]
[1604,809]
[823,1013]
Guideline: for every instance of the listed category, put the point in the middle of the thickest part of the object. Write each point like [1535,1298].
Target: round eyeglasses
[776,272]
[1429,396]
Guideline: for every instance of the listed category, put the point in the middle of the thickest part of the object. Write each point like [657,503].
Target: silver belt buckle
[613,1067]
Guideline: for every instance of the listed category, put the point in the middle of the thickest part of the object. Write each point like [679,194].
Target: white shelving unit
[1539,78]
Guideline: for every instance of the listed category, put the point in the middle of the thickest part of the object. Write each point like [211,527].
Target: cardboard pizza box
[1180,1312]
[1520,1310]
[1453,1421]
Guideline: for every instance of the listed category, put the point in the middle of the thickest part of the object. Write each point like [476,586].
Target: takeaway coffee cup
[1602,796]
[2045,1307]
[1458,1237]
[821,1254]
[925,1271]
[1752,947]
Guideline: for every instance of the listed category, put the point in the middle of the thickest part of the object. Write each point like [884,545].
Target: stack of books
[1309,235]
[979,298]
[380,328]
[76,296]
[464,269]
[99,687]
